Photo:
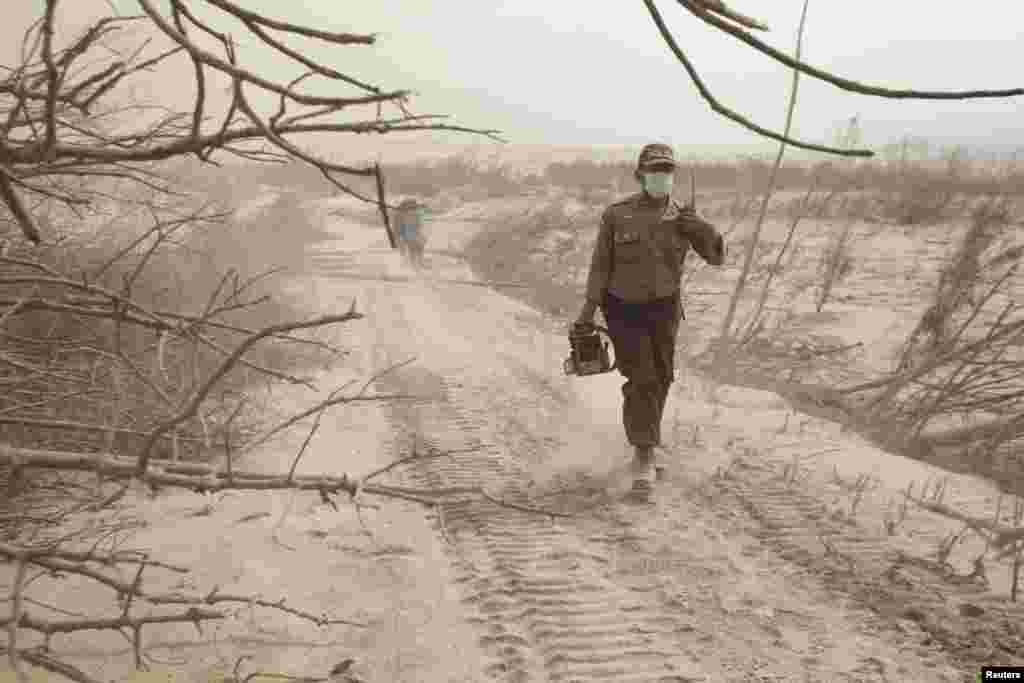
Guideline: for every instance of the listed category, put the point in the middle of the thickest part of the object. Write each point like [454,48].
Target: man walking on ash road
[634,278]
[410,232]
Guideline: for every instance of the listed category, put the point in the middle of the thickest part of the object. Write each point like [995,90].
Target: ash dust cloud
[591,440]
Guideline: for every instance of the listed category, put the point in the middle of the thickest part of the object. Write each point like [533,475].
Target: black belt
[609,297]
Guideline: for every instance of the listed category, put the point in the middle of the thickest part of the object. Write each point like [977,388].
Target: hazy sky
[597,73]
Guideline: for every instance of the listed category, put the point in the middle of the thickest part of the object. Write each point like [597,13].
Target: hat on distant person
[409,204]
[656,154]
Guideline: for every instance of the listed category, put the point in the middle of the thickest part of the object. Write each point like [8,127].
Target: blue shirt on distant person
[410,222]
[409,227]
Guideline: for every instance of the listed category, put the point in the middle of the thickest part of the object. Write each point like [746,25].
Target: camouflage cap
[409,204]
[656,154]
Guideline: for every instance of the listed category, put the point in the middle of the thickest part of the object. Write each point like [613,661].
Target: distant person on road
[411,239]
[634,278]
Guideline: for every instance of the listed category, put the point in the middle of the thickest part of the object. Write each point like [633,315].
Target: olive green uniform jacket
[641,247]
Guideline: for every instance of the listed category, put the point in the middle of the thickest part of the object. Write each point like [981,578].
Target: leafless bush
[920,202]
[755,323]
[835,264]
[1006,541]
[834,180]
[980,272]
[922,195]
[964,359]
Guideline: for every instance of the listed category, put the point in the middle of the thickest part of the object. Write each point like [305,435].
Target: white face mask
[658,184]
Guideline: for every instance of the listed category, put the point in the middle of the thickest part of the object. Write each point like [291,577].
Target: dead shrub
[836,263]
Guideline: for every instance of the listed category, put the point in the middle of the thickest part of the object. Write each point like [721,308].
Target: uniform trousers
[644,339]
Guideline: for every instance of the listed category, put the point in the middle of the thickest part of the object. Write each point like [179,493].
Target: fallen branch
[190,410]
[107,559]
[208,479]
[49,627]
[998,535]
[85,427]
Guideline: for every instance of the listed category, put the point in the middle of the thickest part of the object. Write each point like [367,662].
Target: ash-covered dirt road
[737,577]
[759,561]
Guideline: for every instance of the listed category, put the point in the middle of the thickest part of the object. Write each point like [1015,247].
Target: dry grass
[912,191]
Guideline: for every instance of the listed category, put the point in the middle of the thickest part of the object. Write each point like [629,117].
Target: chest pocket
[630,246]
[671,245]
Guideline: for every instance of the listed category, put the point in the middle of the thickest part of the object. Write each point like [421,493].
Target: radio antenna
[693,186]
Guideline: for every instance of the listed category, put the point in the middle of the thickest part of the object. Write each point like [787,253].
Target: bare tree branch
[727,112]
[707,11]
[252,17]
[219,64]
[254,22]
[17,208]
[52,102]
[704,10]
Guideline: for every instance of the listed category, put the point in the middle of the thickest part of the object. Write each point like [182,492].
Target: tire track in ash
[542,595]
[871,569]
